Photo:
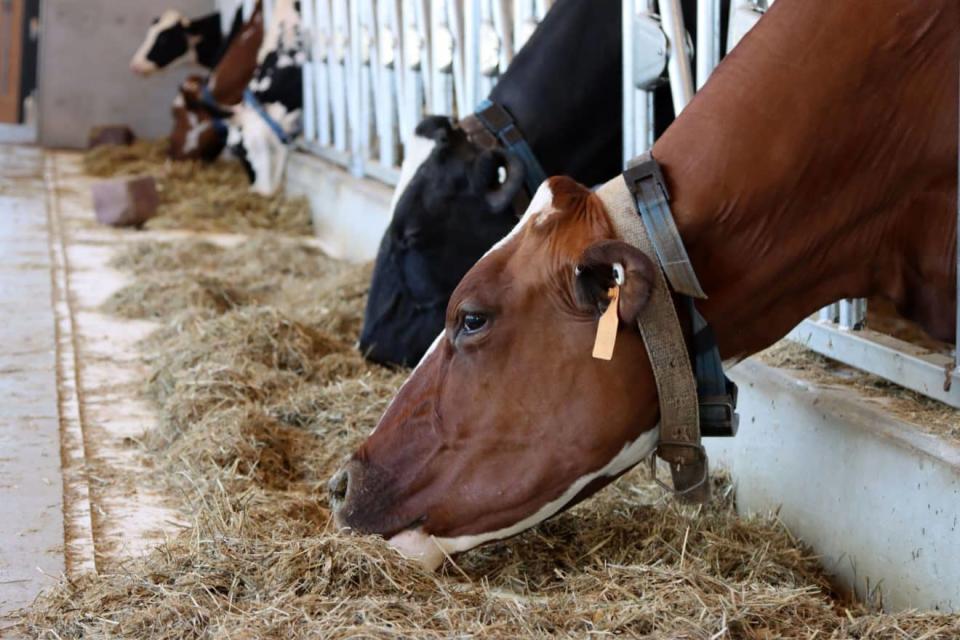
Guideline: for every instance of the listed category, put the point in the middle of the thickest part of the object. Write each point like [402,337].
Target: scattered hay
[261,401]
[200,196]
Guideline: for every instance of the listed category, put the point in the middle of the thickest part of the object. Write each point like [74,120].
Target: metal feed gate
[377,66]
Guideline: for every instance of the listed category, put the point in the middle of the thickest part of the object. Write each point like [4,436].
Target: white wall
[85,47]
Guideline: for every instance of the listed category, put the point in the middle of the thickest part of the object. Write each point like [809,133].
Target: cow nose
[338,488]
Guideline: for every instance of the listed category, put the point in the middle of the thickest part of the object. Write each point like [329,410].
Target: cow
[174,39]
[201,107]
[263,127]
[563,89]
[813,166]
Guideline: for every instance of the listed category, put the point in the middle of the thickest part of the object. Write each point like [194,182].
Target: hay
[260,401]
[200,196]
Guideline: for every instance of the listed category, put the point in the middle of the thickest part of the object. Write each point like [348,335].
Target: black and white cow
[173,39]
[265,124]
[563,90]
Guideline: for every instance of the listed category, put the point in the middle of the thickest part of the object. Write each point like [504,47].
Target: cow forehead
[169,18]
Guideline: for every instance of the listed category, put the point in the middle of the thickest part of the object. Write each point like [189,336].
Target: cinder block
[115,134]
[128,201]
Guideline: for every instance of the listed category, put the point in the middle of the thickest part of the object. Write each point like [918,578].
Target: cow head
[269,118]
[167,42]
[508,419]
[454,201]
[195,134]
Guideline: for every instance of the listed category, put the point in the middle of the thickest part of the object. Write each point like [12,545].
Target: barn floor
[71,378]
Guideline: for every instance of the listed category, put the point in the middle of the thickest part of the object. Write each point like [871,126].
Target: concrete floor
[31,490]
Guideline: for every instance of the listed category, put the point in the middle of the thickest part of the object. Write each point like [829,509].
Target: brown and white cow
[201,108]
[819,163]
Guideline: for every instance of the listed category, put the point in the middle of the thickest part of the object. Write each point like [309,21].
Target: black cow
[563,90]
[174,38]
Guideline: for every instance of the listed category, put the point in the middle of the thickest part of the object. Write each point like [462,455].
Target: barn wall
[85,48]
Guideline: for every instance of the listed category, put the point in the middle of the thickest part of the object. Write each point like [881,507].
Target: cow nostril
[338,486]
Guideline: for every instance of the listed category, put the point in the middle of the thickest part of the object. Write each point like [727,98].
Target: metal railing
[377,66]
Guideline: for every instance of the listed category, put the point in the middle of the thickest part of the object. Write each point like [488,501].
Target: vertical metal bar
[708,39]
[323,31]
[678,64]
[309,84]
[956,338]
[629,94]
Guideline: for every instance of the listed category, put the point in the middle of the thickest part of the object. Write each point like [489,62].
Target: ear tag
[607,327]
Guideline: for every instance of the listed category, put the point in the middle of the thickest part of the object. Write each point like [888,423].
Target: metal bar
[309,84]
[678,64]
[956,338]
[903,363]
[708,39]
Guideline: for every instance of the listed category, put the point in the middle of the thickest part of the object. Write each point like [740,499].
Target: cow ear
[610,263]
[436,128]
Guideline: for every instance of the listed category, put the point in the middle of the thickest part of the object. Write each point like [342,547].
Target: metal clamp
[725,424]
[701,461]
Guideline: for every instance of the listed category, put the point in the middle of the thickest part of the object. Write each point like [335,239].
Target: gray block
[115,134]
[128,201]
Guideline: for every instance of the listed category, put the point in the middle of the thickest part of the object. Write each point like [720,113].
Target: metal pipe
[678,65]
[708,39]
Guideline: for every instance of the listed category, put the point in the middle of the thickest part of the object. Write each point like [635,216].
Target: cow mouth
[417,545]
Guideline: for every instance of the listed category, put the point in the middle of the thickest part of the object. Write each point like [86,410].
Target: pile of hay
[261,395]
[200,196]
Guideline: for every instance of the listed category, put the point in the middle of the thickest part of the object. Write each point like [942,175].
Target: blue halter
[251,100]
[496,119]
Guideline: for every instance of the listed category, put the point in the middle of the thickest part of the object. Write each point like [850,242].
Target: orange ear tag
[607,328]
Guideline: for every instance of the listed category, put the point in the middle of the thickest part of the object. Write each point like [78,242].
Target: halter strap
[500,123]
[695,399]
[492,126]
[251,100]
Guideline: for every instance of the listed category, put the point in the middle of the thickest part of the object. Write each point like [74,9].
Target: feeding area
[228,415]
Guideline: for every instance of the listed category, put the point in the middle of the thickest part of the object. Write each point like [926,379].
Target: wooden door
[11,55]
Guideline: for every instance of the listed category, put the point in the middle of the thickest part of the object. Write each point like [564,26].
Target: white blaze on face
[430,551]
[416,151]
[139,63]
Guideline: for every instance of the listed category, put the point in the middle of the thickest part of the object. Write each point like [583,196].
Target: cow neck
[234,71]
[798,184]
[573,61]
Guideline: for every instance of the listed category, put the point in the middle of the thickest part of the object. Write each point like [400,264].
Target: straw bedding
[200,196]
[261,395]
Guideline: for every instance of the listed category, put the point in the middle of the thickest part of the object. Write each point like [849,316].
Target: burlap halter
[659,325]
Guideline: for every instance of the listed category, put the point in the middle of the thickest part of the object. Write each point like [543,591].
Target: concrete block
[123,202]
[113,134]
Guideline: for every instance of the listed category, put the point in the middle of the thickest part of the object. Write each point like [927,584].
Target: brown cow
[196,131]
[819,163]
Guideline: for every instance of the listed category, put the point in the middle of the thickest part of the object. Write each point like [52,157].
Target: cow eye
[473,322]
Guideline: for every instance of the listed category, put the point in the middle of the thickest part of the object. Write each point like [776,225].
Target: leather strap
[667,350]
[500,123]
[490,126]
[645,180]
[717,394]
